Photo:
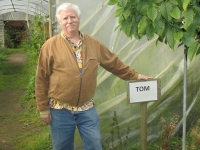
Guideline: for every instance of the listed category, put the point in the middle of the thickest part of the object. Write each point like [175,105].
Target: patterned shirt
[77,51]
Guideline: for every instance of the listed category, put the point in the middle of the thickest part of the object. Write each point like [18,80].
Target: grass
[12,76]
[36,141]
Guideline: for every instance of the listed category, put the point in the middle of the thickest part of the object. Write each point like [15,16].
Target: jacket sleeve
[43,72]
[113,64]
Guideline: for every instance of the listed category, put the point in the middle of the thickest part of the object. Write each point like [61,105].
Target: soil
[10,126]
[16,59]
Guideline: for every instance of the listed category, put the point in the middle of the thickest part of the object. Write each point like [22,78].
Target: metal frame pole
[50,19]
[184,98]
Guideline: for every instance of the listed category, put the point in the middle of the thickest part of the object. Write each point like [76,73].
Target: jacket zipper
[79,88]
[79,95]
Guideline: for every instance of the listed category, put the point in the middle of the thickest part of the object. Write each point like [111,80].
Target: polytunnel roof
[31,7]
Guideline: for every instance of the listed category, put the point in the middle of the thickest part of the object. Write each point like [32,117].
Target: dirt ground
[10,126]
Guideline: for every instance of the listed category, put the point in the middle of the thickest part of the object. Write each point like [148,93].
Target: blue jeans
[64,123]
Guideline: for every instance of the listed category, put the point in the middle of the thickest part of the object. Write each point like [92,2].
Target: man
[66,79]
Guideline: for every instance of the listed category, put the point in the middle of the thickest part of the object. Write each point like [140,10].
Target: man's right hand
[46,118]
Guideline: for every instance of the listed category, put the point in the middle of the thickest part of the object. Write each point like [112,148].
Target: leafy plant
[32,47]
[14,33]
[38,141]
[3,54]
[168,129]
[193,137]
[117,141]
[167,141]
[171,21]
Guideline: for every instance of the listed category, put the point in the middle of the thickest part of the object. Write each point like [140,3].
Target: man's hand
[143,77]
[46,118]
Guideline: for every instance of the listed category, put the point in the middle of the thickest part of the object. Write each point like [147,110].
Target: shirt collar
[81,35]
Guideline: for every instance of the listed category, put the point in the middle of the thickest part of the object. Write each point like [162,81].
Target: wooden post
[143,131]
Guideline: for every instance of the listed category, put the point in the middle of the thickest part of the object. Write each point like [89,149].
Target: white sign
[144,90]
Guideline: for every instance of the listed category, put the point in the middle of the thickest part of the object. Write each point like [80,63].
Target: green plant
[38,141]
[168,129]
[32,46]
[193,136]
[171,21]
[14,33]
[117,141]
[3,54]
[167,141]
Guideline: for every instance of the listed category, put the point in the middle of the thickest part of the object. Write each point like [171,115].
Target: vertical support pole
[143,112]
[50,19]
[184,98]
[27,15]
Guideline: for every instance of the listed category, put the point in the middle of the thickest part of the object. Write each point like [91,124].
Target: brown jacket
[58,75]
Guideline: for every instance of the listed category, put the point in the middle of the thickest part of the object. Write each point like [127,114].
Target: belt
[56,104]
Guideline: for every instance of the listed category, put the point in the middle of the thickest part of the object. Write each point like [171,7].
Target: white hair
[64,6]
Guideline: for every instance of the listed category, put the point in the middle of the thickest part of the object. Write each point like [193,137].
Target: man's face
[69,20]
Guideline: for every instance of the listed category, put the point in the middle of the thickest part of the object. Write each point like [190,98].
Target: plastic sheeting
[31,7]
[21,10]
[158,61]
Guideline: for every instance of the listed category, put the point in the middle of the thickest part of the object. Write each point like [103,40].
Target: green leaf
[112,2]
[179,3]
[134,29]
[197,9]
[40,23]
[188,18]
[150,32]
[152,13]
[142,25]
[198,51]
[126,27]
[178,35]
[192,50]
[192,29]
[159,26]
[156,1]
[120,19]
[185,4]
[177,26]
[119,12]
[165,9]
[135,2]
[187,39]
[141,6]
[170,37]
[175,13]
[174,2]
[127,11]
[122,2]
